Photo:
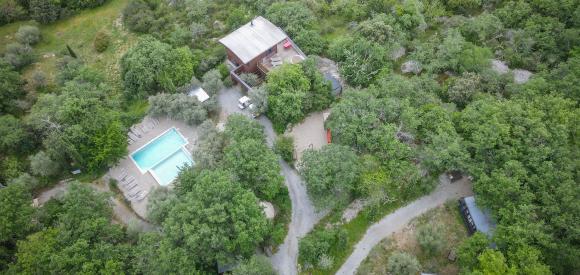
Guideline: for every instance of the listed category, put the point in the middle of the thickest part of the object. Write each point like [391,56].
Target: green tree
[430,239]
[14,137]
[10,87]
[290,16]
[212,82]
[239,127]
[318,97]
[360,60]
[28,35]
[259,97]
[287,87]
[16,214]
[492,262]
[217,220]
[151,66]
[211,142]
[470,249]
[403,264]
[284,147]
[159,203]
[255,166]
[331,174]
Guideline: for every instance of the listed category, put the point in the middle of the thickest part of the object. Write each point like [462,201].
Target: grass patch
[449,220]
[78,32]
[355,230]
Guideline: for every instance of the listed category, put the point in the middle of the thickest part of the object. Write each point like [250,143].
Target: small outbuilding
[199,93]
[476,218]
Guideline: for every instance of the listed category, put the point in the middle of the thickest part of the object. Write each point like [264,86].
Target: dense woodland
[394,131]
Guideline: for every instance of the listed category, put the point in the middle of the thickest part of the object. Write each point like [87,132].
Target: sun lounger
[275,58]
[276,63]
[132,136]
[133,185]
[136,193]
[143,195]
[122,176]
[129,178]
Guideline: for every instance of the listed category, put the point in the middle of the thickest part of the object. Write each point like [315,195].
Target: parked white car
[243,102]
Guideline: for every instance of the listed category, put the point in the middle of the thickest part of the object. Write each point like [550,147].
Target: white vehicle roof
[244,99]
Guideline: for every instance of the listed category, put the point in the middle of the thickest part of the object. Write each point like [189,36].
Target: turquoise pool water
[163,156]
[167,170]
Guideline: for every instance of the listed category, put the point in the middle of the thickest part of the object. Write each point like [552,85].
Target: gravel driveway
[304,216]
[401,217]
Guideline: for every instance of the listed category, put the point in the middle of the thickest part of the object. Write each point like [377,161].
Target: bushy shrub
[138,16]
[151,66]
[178,106]
[331,174]
[102,41]
[310,42]
[259,97]
[314,249]
[28,35]
[284,147]
[41,164]
[251,79]
[258,264]
[430,239]
[401,263]
[360,60]
[291,16]
[39,80]
[10,11]
[19,55]
[212,81]
[44,11]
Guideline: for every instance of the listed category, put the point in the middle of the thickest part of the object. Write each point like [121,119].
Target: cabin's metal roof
[481,218]
[253,38]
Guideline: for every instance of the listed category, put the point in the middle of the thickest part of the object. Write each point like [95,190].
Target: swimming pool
[163,156]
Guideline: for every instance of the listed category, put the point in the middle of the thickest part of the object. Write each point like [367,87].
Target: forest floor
[447,218]
[397,220]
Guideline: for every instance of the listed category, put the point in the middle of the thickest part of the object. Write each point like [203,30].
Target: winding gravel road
[401,217]
[304,216]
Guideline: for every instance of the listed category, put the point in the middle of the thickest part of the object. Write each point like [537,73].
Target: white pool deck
[145,181]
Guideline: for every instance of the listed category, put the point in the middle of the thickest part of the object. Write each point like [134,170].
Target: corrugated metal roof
[481,218]
[253,38]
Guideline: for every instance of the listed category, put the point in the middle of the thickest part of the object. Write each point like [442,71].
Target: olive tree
[43,165]
[401,263]
[28,35]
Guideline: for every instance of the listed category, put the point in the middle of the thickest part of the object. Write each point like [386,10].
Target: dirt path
[397,220]
[304,217]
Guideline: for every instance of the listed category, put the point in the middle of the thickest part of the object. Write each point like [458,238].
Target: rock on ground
[352,210]
[411,66]
[499,66]
[521,76]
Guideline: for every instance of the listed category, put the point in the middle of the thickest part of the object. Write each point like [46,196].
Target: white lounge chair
[143,195]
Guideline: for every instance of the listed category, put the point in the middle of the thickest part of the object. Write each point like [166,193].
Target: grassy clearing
[78,32]
[355,230]
[446,216]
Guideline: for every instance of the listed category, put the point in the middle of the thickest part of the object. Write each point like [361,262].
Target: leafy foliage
[180,107]
[284,147]
[403,263]
[152,66]
[331,174]
[217,219]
